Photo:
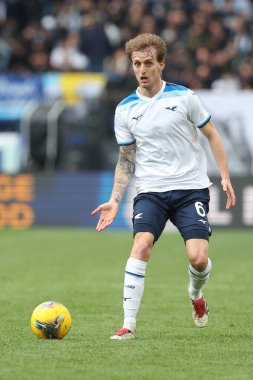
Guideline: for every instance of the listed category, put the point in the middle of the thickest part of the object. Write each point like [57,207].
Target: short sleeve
[122,132]
[197,113]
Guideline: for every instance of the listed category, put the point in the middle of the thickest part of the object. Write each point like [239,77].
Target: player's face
[148,70]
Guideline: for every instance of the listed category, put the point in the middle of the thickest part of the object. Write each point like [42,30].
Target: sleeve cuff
[204,122]
[126,143]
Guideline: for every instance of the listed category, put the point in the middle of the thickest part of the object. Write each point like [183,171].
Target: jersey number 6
[200,209]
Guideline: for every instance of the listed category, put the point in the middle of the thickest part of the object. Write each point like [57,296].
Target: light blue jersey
[169,155]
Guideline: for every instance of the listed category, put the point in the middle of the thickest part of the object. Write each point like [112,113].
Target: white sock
[197,280]
[133,290]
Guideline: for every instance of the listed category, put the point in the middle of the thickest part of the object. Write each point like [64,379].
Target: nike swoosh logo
[138,216]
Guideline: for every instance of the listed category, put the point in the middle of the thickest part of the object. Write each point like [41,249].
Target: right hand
[108,212]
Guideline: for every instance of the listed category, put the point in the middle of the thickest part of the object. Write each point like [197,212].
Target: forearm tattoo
[124,170]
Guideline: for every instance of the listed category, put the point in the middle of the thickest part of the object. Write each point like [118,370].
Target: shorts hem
[144,228]
[196,234]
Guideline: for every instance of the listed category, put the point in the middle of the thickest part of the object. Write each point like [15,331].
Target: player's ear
[162,65]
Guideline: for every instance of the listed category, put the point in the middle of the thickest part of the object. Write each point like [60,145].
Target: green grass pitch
[84,269]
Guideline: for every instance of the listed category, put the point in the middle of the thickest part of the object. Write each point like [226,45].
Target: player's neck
[149,92]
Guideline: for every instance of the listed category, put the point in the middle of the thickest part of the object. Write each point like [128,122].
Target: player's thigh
[148,215]
[191,216]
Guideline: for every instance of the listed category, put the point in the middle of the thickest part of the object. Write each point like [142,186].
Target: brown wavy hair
[145,40]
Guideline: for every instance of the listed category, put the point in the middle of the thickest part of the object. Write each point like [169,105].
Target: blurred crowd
[210,42]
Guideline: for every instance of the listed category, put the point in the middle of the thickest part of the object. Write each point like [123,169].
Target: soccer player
[156,128]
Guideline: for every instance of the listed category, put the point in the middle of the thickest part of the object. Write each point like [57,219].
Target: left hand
[228,189]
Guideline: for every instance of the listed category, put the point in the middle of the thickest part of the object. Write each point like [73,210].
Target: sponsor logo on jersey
[137,117]
[138,216]
[173,108]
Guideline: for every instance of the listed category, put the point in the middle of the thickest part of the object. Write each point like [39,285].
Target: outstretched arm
[123,172]
[219,154]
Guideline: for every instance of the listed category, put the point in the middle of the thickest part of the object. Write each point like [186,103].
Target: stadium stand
[208,41]
[209,44]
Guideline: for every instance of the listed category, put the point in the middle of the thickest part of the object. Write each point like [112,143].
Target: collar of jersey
[157,95]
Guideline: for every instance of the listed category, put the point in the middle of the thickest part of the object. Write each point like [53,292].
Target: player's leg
[190,217]
[199,272]
[134,283]
[199,266]
[148,225]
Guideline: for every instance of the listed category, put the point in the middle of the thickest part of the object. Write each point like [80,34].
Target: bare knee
[199,262]
[143,243]
[197,251]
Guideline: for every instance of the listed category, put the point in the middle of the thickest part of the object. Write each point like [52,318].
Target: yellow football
[51,320]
